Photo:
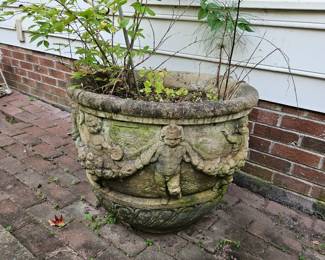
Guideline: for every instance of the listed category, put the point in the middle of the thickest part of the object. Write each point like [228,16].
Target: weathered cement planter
[161,166]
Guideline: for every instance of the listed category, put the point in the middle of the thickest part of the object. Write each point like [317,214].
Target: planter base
[159,215]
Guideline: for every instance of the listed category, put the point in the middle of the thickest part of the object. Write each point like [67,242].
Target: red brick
[291,183]
[15,62]
[13,77]
[32,58]
[6,60]
[269,105]
[313,144]
[58,195]
[20,102]
[286,213]
[65,101]
[58,131]
[44,123]
[275,134]
[33,108]
[309,174]
[33,180]
[26,65]
[46,151]
[22,194]
[29,82]
[6,140]
[6,52]
[51,98]
[15,129]
[82,240]
[48,80]
[84,189]
[304,126]
[46,62]
[34,76]
[12,165]
[55,141]
[62,84]
[59,92]
[316,116]
[35,131]
[13,215]
[318,193]
[11,110]
[27,139]
[296,155]
[26,116]
[71,150]
[67,77]
[38,240]
[21,72]
[40,69]
[259,144]
[18,151]
[67,163]
[7,180]
[56,74]
[18,55]
[258,171]
[269,161]
[3,154]
[43,88]
[39,164]
[63,66]
[293,111]
[8,68]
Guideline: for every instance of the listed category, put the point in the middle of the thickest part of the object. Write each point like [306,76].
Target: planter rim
[246,99]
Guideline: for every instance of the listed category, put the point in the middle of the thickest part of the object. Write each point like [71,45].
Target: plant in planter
[158,147]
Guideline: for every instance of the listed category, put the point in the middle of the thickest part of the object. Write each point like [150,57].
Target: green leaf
[202,14]
[59,27]
[214,22]
[39,43]
[138,7]
[88,216]
[245,27]
[35,37]
[147,84]
[87,13]
[46,44]
[149,11]
[124,22]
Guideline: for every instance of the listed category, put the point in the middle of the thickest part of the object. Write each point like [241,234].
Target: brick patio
[40,178]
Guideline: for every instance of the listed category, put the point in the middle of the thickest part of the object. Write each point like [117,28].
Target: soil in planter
[112,83]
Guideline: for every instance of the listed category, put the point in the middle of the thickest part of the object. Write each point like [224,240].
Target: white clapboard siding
[296,27]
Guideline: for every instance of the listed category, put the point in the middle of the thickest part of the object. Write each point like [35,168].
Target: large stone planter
[160,166]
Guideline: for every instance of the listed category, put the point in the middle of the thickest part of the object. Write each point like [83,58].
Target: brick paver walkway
[40,177]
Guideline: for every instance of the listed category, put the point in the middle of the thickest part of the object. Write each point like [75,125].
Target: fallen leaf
[57,221]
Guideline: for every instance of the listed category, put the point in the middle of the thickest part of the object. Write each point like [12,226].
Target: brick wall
[36,73]
[287,146]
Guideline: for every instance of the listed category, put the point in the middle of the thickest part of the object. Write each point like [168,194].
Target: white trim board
[254,4]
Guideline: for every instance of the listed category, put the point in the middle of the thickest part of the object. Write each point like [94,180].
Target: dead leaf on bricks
[57,221]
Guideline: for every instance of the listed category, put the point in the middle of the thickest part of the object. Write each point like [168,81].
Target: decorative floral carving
[103,160]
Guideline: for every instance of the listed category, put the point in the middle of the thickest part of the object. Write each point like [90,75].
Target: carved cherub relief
[168,157]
